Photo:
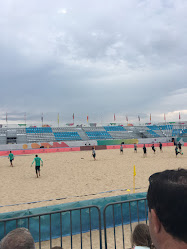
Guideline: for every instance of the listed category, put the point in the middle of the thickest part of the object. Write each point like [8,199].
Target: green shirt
[37,161]
[11,156]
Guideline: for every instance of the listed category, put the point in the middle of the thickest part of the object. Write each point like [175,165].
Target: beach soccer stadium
[79,202]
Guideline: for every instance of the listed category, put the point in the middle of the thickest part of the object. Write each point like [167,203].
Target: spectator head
[141,236]
[167,202]
[20,238]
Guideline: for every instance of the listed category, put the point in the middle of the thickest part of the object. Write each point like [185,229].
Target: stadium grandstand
[109,132]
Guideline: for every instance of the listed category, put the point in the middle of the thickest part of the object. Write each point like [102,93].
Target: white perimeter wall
[83,143]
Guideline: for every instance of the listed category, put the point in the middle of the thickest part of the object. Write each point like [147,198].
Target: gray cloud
[95,58]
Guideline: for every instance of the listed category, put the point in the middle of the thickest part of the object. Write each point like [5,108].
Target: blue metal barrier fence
[123,213]
[81,220]
[41,226]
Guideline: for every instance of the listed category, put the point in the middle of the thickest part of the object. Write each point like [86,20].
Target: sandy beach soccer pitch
[70,174]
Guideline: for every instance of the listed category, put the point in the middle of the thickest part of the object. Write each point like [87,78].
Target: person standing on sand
[160,146]
[11,157]
[153,148]
[177,152]
[93,153]
[144,151]
[37,165]
[135,148]
[121,149]
[180,147]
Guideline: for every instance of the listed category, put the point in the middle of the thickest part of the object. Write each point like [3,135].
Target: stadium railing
[123,213]
[86,220]
[48,226]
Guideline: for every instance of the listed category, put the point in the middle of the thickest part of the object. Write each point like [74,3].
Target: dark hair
[167,195]
[141,236]
[36,156]
[10,151]
[19,238]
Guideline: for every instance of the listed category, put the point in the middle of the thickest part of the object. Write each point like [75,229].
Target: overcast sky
[96,58]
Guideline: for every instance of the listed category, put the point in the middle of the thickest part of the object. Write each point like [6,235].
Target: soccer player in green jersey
[37,165]
[11,157]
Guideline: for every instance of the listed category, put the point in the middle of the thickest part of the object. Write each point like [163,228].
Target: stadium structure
[92,135]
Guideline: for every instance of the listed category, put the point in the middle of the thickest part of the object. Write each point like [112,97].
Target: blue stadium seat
[39,130]
[60,136]
[98,135]
[114,128]
[154,134]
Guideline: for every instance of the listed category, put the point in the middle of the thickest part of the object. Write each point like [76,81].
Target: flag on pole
[6,117]
[127,118]
[150,117]
[164,117]
[70,124]
[134,174]
[58,119]
[114,117]
[179,116]
[87,118]
[73,116]
[139,118]
[42,118]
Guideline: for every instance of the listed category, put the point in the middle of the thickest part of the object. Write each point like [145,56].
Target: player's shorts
[94,155]
[11,160]
[121,150]
[37,169]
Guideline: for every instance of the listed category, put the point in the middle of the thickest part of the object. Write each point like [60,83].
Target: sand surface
[69,174]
